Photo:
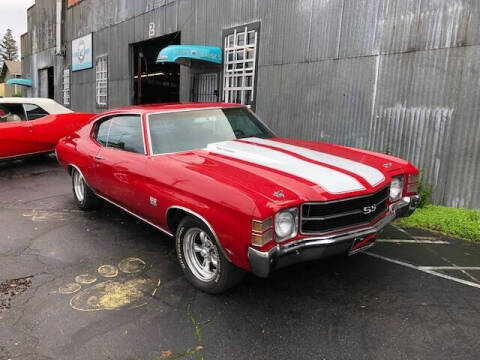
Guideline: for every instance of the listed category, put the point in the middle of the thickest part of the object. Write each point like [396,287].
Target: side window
[102,132]
[34,112]
[11,113]
[122,132]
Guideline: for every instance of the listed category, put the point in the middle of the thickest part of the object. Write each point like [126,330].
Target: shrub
[424,190]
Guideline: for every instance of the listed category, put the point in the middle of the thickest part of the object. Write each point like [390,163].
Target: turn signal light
[412,188]
[262,226]
[262,231]
[262,239]
[412,178]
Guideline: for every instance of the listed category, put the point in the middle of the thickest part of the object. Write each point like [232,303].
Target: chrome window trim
[189,110]
[95,124]
[204,221]
[26,114]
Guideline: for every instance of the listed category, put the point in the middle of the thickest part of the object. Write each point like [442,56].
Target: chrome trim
[294,212]
[133,214]
[263,262]
[175,111]
[13,157]
[345,199]
[119,206]
[353,212]
[363,248]
[336,238]
[204,221]
[341,214]
[106,117]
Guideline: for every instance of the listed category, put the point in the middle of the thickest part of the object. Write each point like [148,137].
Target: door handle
[99,158]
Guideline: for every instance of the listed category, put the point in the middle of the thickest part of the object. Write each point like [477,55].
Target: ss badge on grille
[369,209]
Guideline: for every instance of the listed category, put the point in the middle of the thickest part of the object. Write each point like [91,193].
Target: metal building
[396,75]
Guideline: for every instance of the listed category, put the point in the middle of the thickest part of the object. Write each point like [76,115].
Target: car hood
[286,171]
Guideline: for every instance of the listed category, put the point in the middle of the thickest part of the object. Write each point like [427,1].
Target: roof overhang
[19,81]
[190,54]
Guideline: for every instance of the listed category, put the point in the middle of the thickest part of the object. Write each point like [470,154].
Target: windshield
[188,130]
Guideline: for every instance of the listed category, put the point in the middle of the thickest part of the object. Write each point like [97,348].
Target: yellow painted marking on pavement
[85,279]
[131,265]
[156,288]
[126,292]
[42,215]
[108,271]
[69,288]
[112,295]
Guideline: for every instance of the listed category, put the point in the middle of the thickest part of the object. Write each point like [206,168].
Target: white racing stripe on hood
[370,174]
[332,181]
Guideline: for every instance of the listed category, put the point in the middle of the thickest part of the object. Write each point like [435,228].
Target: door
[16,133]
[120,161]
[205,87]
[46,83]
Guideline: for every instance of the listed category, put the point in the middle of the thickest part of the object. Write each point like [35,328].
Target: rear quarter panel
[51,128]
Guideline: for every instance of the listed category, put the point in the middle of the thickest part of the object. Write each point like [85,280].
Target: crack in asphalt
[198,327]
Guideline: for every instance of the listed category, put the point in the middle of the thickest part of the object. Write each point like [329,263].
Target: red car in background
[234,195]
[30,126]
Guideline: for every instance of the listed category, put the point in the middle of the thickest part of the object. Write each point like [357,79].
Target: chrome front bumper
[264,262]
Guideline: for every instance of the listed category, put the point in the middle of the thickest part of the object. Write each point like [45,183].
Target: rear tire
[85,198]
[202,260]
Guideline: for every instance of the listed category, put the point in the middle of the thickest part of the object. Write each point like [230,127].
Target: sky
[13,15]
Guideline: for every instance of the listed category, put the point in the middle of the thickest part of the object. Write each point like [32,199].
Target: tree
[8,47]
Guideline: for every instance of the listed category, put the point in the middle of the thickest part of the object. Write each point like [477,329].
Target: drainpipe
[58,48]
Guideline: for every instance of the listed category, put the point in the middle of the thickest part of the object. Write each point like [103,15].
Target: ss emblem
[369,209]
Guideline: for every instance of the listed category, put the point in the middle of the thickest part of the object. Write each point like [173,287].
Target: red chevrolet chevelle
[235,196]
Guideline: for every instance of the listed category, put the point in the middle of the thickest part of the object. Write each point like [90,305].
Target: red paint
[226,192]
[364,242]
[23,138]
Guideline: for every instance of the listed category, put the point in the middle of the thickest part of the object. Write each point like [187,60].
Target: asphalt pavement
[103,285]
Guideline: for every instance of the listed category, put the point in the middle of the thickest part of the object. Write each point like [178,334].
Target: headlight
[396,188]
[286,224]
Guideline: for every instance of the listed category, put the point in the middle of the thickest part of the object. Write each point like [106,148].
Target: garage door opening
[155,83]
[47,83]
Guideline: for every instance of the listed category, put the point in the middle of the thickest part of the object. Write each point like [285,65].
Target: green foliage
[424,190]
[17,94]
[387,149]
[8,47]
[455,222]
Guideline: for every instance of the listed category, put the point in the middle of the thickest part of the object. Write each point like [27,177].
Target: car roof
[48,105]
[168,107]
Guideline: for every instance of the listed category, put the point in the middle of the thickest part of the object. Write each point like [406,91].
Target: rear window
[34,112]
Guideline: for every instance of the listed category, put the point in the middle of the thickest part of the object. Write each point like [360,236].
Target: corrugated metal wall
[401,75]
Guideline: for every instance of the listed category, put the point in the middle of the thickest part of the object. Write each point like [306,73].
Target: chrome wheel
[201,254]
[78,186]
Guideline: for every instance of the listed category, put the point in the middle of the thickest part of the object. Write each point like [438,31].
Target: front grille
[328,216]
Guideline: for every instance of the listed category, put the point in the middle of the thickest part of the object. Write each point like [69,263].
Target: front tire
[202,260]
[85,198]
